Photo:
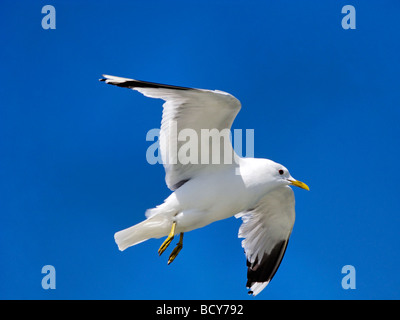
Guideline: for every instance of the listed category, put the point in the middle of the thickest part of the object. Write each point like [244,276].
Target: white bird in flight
[256,190]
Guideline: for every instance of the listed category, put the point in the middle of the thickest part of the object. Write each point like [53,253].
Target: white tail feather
[154,227]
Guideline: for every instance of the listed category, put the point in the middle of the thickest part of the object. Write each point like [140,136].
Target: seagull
[256,190]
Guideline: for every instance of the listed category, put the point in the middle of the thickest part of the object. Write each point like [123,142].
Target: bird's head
[282,176]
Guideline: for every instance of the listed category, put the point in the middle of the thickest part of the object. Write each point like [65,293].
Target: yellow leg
[167,241]
[177,249]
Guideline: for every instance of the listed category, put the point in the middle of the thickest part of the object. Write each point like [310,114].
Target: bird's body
[256,190]
[211,197]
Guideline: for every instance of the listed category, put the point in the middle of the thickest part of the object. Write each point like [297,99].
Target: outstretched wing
[195,110]
[266,230]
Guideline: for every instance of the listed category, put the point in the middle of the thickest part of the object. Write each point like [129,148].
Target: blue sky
[323,101]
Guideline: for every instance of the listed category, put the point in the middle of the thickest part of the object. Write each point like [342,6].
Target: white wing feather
[266,230]
[186,108]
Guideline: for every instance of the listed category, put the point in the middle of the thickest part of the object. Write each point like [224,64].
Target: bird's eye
[281,172]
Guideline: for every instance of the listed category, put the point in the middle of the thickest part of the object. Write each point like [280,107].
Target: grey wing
[266,230]
[193,109]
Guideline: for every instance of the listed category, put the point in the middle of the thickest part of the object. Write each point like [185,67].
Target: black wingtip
[145,84]
[265,270]
[133,84]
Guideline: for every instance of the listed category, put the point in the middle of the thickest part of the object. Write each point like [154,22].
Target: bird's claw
[175,252]
[165,245]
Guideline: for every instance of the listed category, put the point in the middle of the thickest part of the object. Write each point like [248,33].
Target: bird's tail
[155,226]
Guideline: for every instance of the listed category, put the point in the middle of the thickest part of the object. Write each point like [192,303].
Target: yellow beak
[299,184]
